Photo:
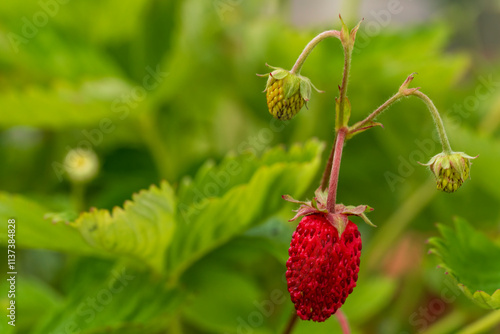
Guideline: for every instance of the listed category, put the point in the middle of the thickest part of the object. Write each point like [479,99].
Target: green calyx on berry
[450,170]
[286,93]
[339,218]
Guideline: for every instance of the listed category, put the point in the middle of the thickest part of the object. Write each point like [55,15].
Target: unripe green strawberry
[449,180]
[279,107]
[450,170]
[286,93]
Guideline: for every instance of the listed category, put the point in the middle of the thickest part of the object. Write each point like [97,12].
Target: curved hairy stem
[310,46]
[437,120]
[405,91]
[361,124]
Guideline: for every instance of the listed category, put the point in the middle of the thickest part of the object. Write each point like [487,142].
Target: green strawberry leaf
[34,228]
[113,297]
[142,229]
[256,195]
[34,300]
[472,260]
[222,202]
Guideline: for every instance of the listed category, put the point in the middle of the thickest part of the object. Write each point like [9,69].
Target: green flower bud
[450,170]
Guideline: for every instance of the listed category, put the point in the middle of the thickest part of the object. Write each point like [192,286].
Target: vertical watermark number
[11,270]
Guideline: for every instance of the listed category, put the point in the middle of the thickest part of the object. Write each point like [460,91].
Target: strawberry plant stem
[437,120]
[340,126]
[343,86]
[328,169]
[291,323]
[377,112]
[310,46]
[344,324]
[405,91]
[334,175]
[339,117]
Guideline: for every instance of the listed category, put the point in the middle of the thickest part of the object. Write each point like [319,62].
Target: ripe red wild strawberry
[322,269]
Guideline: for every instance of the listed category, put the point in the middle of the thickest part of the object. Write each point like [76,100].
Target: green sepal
[367,220]
[348,37]
[290,199]
[339,221]
[344,34]
[273,67]
[291,84]
[305,88]
[279,74]
[354,31]
[338,218]
[404,90]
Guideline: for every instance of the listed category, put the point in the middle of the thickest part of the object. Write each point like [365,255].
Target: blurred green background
[158,88]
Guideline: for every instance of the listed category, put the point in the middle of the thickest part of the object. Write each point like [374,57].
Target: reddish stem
[291,323]
[328,169]
[344,324]
[334,175]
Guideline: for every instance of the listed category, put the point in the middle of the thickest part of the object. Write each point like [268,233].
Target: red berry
[322,270]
